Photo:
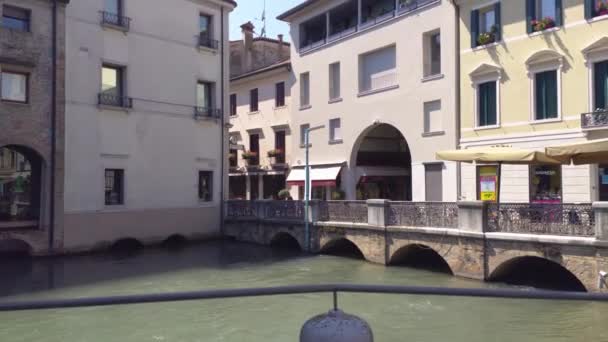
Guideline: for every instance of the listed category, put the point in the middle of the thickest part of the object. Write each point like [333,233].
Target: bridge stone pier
[548,245]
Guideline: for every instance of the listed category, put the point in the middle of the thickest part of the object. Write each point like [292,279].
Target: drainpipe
[53,127]
[222,117]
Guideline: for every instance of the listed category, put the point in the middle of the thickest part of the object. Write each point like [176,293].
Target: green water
[230,265]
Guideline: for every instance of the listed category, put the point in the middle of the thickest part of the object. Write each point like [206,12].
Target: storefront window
[545,184]
[603,182]
[487,183]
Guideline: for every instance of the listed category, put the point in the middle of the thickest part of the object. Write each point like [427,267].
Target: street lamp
[307,185]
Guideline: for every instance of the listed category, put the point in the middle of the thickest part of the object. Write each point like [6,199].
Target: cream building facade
[534,74]
[380,77]
[260,115]
[144,121]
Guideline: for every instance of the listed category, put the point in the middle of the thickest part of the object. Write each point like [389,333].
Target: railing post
[377,212]
[472,216]
[600,210]
[314,211]
[261,208]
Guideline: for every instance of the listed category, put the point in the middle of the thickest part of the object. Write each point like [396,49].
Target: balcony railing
[406,6]
[544,219]
[596,119]
[343,211]
[423,214]
[112,100]
[205,41]
[113,19]
[207,113]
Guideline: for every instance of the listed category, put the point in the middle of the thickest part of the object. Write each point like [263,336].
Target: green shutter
[601,85]
[589,9]
[546,95]
[491,104]
[487,104]
[559,16]
[530,15]
[541,101]
[497,22]
[474,27]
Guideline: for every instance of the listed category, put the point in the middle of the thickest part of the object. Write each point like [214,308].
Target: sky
[251,10]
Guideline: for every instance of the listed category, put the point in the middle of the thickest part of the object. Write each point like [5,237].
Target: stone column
[314,211]
[472,216]
[248,188]
[377,212]
[600,210]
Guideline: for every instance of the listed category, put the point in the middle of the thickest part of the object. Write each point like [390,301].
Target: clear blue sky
[251,10]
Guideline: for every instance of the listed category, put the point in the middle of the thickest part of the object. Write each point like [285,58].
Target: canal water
[216,265]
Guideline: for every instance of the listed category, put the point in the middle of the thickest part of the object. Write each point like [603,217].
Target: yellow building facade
[533,74]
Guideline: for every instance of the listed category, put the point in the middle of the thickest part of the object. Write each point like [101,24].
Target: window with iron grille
[114,186]
[205,186]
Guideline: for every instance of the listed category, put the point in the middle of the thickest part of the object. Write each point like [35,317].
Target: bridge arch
[342,247]
[15,247]
[175,241]
[126,245]
[285,240]
[537,272]
[420,256]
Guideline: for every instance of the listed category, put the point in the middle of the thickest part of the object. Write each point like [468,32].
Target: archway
[421,257]
[20,185]
[285,241]
[342,247]
[383,164]
[537,272]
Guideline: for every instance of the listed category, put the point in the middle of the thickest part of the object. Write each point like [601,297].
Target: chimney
[247,29]
[280,51]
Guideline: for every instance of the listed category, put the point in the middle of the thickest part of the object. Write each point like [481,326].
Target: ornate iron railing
[343,211]
[595,119]
[289,210]
[207,113]
[108,18]
[241,209]
[546,219]
[206,41]
[106,99]
[423,214]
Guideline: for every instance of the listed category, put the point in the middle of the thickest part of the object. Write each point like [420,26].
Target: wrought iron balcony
[597,119]
[205,41]
[115,20]
[112,100]
[207,113]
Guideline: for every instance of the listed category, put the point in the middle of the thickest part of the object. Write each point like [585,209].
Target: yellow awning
[587,152]
[506,155]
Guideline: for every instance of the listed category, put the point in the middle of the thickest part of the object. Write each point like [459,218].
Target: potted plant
[542,24]
[602,7]
[284,195]
[250,157]
[485,38]
[273,154]
[338,195]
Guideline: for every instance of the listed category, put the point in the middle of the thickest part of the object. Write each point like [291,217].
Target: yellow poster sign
[488,183]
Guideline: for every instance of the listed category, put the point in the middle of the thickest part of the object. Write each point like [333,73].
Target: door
[433,182]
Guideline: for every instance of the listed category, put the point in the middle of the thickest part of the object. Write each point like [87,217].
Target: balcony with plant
[277,156]
[251,158]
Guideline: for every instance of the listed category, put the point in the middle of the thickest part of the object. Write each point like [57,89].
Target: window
[487,104]
[335,134]
[112,86]
[253,100]
[205,186]
[113,6]
[595,8]
[600,77]
[303,129]
[433,177]
[15,86]
[114,188]
[334,81]
[545,184]
[254,149]
[204,95]
[279,99]
[432,54]
[204,25]
[377,69]
[312,32]
[543,14]
[545,95]
[232,104]
[485,25]
[304,90]
[232,158]
[16,18]
[279,144]
[432,117]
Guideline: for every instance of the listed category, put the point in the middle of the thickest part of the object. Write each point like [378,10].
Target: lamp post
[307,185]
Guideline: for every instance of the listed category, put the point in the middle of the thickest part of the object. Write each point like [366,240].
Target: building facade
[260,114]
[145,120]
[377,81]
[534,74]
[31,125]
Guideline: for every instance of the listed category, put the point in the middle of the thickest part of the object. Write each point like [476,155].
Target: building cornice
[285,64]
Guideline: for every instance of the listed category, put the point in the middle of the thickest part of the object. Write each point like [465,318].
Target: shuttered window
[601,85]
[546,95]
[487,104]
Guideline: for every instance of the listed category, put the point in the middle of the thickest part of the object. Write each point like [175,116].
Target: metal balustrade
[205,41]
[544,219]
[113,19]
[106,99]
[207,113]
[595,119]
[423,214]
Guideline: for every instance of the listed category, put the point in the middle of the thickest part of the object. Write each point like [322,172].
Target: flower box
[542,24]
[486,38]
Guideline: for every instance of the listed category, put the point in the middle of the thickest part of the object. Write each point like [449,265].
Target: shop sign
[488,180]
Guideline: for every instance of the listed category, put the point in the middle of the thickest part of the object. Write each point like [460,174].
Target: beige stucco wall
[516,126]
[402,107]
[158,143]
